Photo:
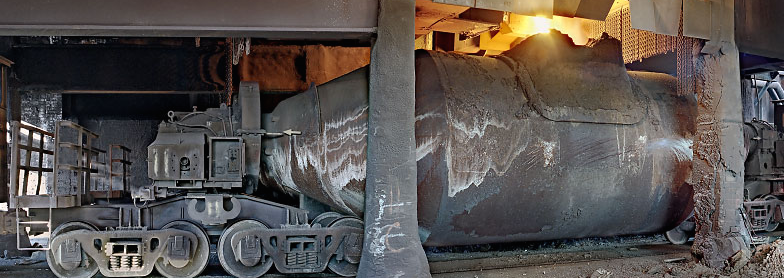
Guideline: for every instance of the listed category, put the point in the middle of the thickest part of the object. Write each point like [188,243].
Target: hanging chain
[235,49]
[226,97]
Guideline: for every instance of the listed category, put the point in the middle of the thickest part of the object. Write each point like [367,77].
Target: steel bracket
[151,252]
[213,212]
[300,249]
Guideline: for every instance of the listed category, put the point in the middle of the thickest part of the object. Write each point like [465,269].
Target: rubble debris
[675,260]
[740,259]
[601,273]
[37,257]
[658,269]
[767,260]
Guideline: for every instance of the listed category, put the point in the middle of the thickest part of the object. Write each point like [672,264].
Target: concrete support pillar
[4,194]
[718,169]
[392,247]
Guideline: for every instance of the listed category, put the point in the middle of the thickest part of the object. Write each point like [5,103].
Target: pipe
[773,88]
[776,86]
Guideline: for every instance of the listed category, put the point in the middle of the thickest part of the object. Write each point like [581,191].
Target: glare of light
[541,25]
[574,27]
[529,25]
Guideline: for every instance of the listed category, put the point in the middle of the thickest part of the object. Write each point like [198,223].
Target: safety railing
[31,160]
[30,164]
[64,167]
[75,157]
[117,174]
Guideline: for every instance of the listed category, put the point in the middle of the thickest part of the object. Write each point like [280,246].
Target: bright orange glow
[528,25]
[541,25]
[574,27]
[519,27]
[524,26]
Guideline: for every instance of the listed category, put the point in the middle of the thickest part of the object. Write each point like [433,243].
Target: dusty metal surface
[326,162]
[753,32]
[391,247]
[301,19]
[713,76]
[567,145]
[548,141]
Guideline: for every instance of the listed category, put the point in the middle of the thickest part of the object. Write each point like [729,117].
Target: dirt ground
[635,256]
[658,259]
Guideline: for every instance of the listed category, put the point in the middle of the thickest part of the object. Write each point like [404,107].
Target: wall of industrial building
[131,121]
[41,107]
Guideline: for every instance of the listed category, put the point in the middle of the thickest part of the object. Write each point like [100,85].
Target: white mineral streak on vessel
[337,156]
[282,166]
[548,149]
[473,148]
[345,144]
[679,147]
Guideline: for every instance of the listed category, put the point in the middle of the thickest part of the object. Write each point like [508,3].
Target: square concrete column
[391,246]
[718,164]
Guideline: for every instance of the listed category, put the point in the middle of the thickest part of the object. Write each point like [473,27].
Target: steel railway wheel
[85,268]
[228,258]
[326,218]
[677,236]
[772,226]
[200,254]
[347,262]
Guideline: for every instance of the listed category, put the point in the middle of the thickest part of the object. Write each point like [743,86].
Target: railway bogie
[525,146]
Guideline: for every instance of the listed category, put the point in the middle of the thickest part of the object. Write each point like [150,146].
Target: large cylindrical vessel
[549,140]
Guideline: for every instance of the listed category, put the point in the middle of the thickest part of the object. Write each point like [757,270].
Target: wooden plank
[36,169]
[27,163]
[32,128]
[38,150]
[40,164]
[14,162]
[43,201]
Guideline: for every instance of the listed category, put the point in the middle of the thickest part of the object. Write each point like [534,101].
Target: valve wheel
[228,260]
[87,267]
[346,267]
[200,254]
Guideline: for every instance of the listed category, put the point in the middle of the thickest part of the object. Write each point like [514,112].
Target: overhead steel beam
[758,27]
[295,19]
[524,7]
[590,9]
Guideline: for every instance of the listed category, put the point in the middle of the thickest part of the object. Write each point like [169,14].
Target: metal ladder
[20,198]
[22,189]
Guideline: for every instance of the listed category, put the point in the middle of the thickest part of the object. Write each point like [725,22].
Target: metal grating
[636,44]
